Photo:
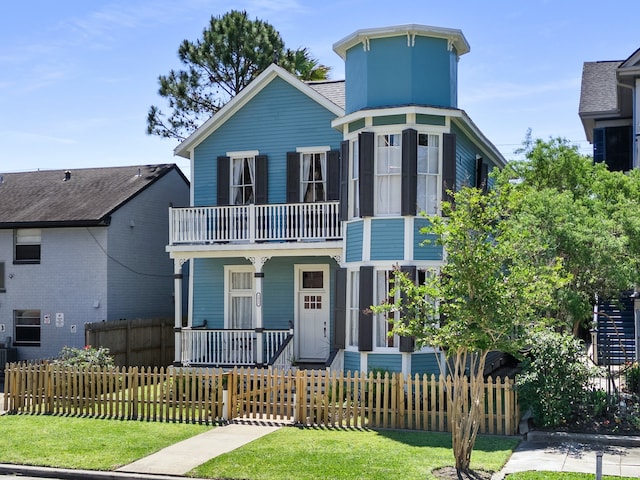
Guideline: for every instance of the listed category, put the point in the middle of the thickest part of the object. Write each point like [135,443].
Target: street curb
[538,436]
[70,474]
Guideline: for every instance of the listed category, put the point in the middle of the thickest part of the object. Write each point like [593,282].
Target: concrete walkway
[184,456]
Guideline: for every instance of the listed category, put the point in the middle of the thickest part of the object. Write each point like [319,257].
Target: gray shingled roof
[599,87]
[45,198]
[333,90]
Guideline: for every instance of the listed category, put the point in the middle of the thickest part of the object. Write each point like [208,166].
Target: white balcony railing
[229,347]
[250,223]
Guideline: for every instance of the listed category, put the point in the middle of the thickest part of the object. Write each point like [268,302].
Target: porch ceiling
[331,248]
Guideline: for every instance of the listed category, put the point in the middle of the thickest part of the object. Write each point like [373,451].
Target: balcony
[254,223]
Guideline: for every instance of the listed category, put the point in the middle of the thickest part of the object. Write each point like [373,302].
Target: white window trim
[228,269]
[376,301]
[243,153]
[438,175]
[351,290]
[323,149]
[304,184]
[388,176]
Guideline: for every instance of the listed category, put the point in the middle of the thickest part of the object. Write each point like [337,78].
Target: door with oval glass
[313,313]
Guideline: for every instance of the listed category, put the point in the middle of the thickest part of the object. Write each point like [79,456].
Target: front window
[243,174]
[428,173]
[27,327]
[354,309]
[388,174]
[27,245]
[240,304]
[313,177]
[355,173]
[383,322]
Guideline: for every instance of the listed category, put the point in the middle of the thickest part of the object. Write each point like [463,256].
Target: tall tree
[233,51]
[487,295]
[581,211]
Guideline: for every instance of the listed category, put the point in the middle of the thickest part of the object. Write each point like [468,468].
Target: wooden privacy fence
[205,396]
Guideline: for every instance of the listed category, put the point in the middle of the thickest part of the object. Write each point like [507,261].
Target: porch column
[177,298]
[258,264]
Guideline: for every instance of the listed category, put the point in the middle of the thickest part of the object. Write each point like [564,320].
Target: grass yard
[84,443]
[560,476]
[305,454]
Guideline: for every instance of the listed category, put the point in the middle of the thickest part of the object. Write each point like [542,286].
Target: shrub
[633,378]
[554,378]
[85,357]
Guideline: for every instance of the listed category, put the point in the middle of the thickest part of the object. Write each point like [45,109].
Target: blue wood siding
[392,73]
[351,361]
[424,363]
[353,241]
[276,121]
[208,290]
[390,362]
[387,239]
[466,159]
[427,251]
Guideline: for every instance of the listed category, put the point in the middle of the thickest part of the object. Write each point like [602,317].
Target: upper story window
[27,245]
[243,174]
[313,177]
[428,170]
[355,173]
[27,327]
[388,186]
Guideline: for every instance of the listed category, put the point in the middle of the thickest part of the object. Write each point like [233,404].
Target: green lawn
[560,476]
[304,454]
[84,443]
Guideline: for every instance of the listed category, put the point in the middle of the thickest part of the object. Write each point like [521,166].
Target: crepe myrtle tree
[489,293]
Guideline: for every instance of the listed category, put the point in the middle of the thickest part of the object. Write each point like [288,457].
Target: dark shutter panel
[408,344]
[293,177]
[485,177]
[478,173]
[448,165]
[343,213]
[366,165]
[333,175]
[409,172]
[224,164]
[599,153]
[340,316]
[262,180]
[482,174]
[365,320]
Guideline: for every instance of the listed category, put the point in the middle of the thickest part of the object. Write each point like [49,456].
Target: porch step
[311,366]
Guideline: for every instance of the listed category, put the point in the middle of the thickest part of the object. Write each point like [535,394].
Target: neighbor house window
[354,308]
[383,322]
[2,286]
[243,173]
[27,245]
[388,187]
[428,173]
[27,327]
[240,298]
[313,177]
[355,172]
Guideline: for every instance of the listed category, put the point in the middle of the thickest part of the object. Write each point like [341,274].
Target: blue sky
[77,77]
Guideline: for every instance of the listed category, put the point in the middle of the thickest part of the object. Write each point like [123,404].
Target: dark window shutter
[262,180]
[409,172]
[365,320]
[333,175]
[340,316]
[293,177]
[482,174]
[344,181]
[448,165]
[599,153]
[224,164]
[408,344]
[366,166]
[619,148]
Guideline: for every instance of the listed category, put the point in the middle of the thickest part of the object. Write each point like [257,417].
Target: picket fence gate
[199,395]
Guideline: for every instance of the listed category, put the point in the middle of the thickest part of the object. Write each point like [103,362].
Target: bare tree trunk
[465,398]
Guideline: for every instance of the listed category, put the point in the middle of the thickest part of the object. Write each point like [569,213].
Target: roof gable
[249,92]
[86,196]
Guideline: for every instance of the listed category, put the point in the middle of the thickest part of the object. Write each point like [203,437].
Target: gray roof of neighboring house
[333,90]
[88,197]
[599,92]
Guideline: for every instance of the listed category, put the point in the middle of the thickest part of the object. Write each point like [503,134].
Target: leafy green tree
[581,211]
[233,51]
[489,292]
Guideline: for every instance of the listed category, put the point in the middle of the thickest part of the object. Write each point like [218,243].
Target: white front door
[312,332]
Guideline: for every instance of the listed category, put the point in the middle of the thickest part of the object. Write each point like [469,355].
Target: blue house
[305,196]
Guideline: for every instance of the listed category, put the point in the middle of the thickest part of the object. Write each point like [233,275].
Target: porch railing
[251,223]
[230,347]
